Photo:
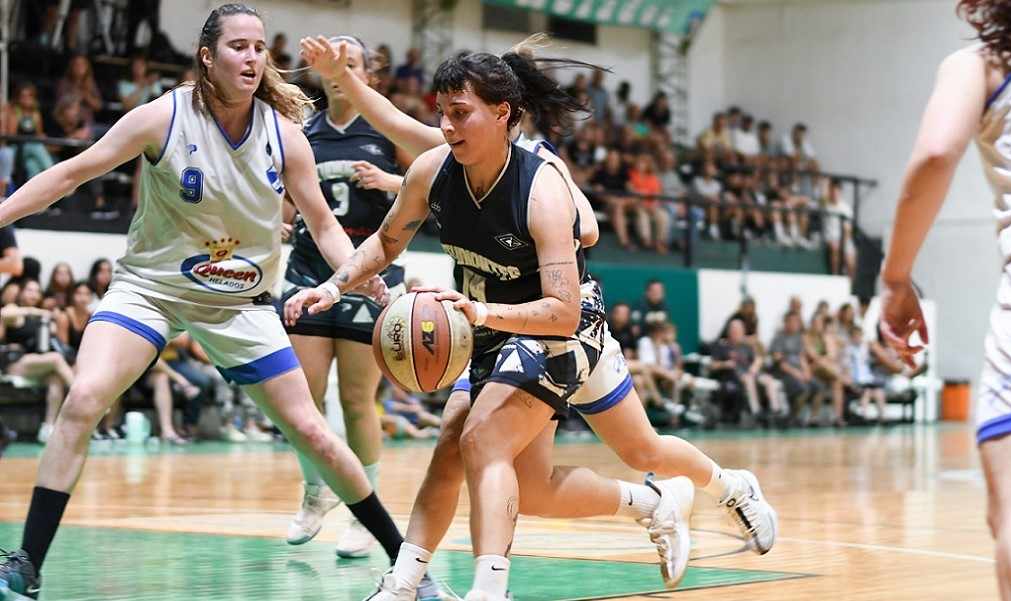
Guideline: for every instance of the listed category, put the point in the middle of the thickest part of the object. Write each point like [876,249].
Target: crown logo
[221,250]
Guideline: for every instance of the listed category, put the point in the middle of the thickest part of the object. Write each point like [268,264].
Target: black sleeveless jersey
[489,237]
[359,211]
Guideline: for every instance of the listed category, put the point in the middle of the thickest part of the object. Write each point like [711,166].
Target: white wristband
[331,289]
[481,311]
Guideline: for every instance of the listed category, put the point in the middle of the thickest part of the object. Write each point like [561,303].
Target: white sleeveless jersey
[208,227]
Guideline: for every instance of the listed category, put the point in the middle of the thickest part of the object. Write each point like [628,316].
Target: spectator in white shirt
[798,148]
[711,192]
[745,140]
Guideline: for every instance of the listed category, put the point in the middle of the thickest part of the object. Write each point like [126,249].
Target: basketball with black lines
[422,344]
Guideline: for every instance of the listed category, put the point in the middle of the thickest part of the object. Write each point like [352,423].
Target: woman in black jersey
[508,219]
[357,168]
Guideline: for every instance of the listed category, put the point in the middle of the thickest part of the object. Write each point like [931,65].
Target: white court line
[891,549]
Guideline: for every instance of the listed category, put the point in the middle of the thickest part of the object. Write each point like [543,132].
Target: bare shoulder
[429,161]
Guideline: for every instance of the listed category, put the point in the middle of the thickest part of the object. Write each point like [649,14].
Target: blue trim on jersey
[613,398]
[994,428]
[548,145]
[997,93]
[245,136]
[463,384]
[144,331]
[262,369]
[280,142]
[168,134]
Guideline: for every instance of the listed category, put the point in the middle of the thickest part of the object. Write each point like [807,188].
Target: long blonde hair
[285,98]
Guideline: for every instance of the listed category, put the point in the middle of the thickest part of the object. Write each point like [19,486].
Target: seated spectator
[422,423]
[747,314]
[619,323]
[79,81]
[189,380]
[26,329]
[11,263]
[61,280]
[74,317]
[411,69]
[99,278]
[142,87]
[715,141]
[745,141]
[790,365]
[657,113]
[823,352]
[652,219]
[870,385]
[798,149]
[278,49]
[651,308]
[581,154]
[158,383]
[10,291]
[738,368]
[660,363]
[25,119]
[68,122]
[766,143]
[608,183]
[710,191]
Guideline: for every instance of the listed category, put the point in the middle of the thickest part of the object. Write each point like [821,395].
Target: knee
[85,403]
[478,443]
[641,458]
[357,406]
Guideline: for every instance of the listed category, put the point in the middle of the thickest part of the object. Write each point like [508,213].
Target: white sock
[411,565]
[491,575]
[372,473]
[309,472]
[637,500]
[720,483]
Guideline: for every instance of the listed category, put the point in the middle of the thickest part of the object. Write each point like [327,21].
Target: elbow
[939,156]
[568,322]
[589,236]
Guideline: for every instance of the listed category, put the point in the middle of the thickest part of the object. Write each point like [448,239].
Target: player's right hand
[316,299]
[901,316]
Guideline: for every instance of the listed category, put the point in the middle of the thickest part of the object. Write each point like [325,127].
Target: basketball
[422,344]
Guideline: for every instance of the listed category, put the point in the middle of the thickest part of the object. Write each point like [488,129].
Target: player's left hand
[370,177]
[316,299]
[901,316]
[329,60]
[460,302]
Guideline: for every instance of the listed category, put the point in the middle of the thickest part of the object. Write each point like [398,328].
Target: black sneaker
[18,580]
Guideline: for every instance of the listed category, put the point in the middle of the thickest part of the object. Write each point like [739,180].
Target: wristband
[481,311]
[331,289]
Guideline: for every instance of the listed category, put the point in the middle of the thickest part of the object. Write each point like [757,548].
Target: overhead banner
[672,16]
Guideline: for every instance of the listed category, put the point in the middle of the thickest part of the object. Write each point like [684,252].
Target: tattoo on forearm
[413,225]
[560,284]
[384,233]
[556,264]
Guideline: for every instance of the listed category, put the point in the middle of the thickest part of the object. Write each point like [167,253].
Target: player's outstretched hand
[370,177]
[901,316]
[317,299]
[329,60]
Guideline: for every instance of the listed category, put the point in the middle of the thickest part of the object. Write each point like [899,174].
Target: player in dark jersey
[357,168]
[508,219]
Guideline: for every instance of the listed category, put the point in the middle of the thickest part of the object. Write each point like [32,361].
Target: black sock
[371,513]
[44,515]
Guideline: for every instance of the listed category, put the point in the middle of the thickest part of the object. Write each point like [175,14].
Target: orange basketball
[422,344]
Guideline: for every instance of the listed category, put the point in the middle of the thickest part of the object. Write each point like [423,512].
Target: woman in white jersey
[971,99]
[203,252]
[607,399]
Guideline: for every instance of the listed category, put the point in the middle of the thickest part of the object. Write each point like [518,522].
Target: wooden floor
[870,514]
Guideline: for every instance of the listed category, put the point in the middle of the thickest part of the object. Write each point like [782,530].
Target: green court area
[110,564]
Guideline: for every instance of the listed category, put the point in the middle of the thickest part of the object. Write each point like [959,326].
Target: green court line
[109,564]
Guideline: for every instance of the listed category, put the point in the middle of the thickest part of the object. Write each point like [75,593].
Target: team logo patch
[510,242]
[220,270]
[372,149]
[275,180]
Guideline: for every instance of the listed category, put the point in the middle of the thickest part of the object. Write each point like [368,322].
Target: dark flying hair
[992,21]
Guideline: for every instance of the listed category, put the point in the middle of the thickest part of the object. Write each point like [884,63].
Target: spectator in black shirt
[10,256]
[613,177]
[657,112]
[748,316]
[652,308]
[620,324]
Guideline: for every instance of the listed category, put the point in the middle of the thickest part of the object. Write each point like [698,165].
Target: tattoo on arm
[560,285]
[384,232]
[556,264]
[413,225]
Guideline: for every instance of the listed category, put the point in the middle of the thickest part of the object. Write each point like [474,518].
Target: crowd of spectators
[822,373]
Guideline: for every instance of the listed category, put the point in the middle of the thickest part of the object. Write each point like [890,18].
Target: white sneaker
[45,431]
[669,527]
[388,589]
[257,435]
[232,434]
[748,509]
[356,541]
[317,501]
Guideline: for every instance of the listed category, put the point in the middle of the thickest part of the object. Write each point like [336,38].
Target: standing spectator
[837,228]
[600,98]
[651,308]
[411,69]
[58,291]
[622,98]
[79,79]
[608,184]
[789,363]
[26,120]
[142,85]
[652,219]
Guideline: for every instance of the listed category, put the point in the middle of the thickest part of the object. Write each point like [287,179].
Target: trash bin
[955,401]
